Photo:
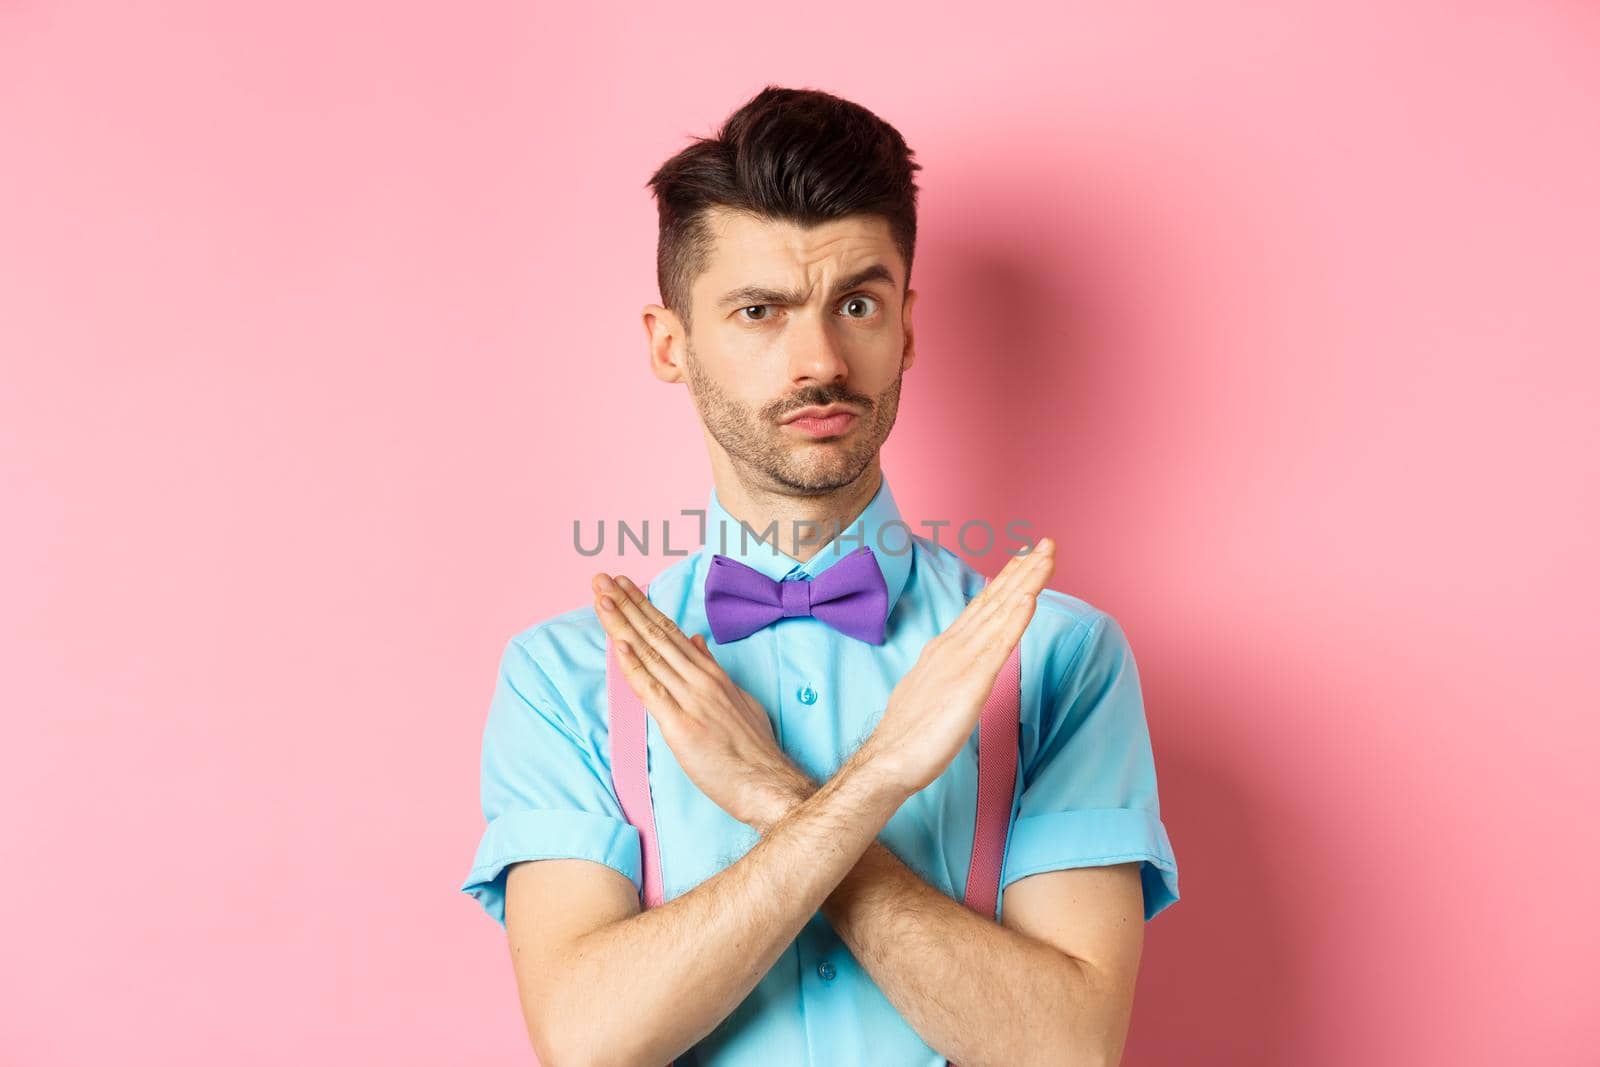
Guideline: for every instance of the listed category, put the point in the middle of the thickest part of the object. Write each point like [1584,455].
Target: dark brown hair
[796,155]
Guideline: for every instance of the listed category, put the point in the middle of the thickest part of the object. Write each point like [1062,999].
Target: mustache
[821,399]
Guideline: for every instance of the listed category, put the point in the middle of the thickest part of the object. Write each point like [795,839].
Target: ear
[663,329]
[908,354]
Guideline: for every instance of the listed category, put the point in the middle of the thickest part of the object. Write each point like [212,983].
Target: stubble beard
[754,438]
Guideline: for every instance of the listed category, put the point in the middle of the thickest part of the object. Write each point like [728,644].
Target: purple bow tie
[850,596]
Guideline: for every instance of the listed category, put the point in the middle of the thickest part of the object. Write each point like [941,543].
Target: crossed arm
[1053,985]
[603,982]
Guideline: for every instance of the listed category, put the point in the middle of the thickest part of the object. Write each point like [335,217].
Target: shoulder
[565,639]
[555,664]
[562,658]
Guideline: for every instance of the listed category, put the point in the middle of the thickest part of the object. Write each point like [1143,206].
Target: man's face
[787,318]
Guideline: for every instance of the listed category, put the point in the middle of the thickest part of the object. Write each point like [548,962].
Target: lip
[822,428]
[820,413]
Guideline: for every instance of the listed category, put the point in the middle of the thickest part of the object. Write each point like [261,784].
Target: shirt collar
[878,527]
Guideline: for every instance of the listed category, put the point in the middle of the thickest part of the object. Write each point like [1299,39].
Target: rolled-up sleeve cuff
[1093,838]
[546,835]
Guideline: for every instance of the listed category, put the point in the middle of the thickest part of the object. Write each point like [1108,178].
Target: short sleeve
[1089,791]
[545,787]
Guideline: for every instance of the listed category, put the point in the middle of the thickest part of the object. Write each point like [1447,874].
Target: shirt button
[825,969]
[807,695]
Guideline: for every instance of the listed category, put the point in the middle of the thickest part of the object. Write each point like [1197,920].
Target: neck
[806,521]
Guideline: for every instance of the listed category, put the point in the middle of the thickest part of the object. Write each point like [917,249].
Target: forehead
[756,251]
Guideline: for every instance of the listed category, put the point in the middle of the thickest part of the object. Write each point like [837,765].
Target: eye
[755,307]
[857,300]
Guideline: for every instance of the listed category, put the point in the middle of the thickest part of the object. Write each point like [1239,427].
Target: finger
[660,643]
[1037,567]
[1026,583]
[1006,628]
[1006,581]
[651,690]
[708,663]
[712,668]
[1021,570]
[652,614]
[697,642]
[619,628]
[1031,570]
[623,628]
[704,666]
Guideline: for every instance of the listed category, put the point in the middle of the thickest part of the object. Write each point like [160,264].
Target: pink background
[319,328]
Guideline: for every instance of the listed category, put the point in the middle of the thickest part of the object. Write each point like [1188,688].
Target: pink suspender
[629,769]
[997,778]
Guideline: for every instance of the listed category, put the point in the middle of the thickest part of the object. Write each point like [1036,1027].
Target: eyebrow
[756,294]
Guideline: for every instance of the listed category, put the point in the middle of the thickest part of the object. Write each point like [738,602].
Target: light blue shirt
[1085,795]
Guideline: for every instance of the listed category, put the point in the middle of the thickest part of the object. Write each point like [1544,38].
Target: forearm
[980,993]
[976,991]
[650,986]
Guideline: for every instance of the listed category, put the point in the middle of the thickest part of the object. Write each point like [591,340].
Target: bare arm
[1054,985]
[642,989]
[660,994]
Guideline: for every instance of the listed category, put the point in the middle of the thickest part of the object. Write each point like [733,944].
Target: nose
[814,352]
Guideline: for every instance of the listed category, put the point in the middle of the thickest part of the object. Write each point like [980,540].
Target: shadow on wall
[1028,391]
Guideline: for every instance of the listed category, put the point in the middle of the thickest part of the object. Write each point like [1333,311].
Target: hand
[720,734]
[936,706]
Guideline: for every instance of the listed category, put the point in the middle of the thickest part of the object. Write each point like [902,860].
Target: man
[813,782]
